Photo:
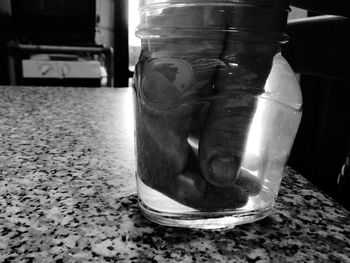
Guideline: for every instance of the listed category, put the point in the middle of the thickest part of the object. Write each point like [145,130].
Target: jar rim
[151,4]
[242,34]
[192,19]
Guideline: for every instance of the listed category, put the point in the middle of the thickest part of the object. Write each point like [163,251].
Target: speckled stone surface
[67,193]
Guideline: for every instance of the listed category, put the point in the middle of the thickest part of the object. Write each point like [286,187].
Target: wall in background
[5,6]
[104,19]
[105,22]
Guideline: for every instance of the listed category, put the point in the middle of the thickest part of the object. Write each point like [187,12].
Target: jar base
[204,220]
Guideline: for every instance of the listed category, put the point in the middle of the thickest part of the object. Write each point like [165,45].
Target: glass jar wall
[216,111]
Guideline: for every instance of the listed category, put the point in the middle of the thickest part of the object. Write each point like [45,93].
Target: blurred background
[27,24]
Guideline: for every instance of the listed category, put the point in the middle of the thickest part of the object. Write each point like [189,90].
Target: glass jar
[217,109]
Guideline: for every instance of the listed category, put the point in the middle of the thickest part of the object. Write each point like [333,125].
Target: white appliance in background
[62,66]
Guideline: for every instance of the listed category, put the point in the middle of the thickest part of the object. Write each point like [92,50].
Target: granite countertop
[67,193]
